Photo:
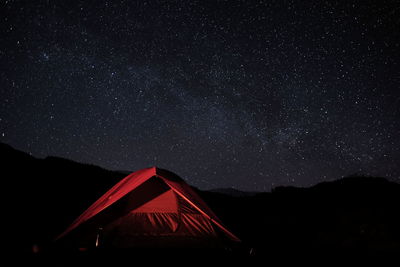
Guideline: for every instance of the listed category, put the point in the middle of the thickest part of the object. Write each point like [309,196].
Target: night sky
[243,94]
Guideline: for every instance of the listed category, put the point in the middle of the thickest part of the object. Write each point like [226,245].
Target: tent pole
[98,237]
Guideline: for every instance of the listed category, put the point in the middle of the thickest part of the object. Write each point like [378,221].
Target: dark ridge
[233,192]
[349,215]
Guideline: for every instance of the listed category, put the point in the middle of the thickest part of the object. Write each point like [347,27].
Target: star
[242,95]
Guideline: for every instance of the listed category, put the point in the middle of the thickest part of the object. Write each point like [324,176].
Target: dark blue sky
[243,94]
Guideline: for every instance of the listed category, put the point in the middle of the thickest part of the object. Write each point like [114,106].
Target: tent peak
[136,182]
[163,173]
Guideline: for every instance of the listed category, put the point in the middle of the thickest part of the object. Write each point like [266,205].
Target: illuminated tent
[148,208]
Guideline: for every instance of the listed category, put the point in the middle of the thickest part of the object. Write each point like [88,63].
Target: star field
[242,94]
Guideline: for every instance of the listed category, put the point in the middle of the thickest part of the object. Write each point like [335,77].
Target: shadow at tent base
[137,256]
[191,257]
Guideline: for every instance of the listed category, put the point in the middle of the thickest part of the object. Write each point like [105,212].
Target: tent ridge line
[200,210]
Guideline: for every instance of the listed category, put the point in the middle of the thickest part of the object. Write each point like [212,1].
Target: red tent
[150,207]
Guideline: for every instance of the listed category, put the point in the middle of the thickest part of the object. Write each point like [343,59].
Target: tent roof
[134,180]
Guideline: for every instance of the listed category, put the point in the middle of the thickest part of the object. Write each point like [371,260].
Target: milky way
[242,94]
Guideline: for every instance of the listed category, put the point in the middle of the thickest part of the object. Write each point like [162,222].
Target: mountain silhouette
[349,215]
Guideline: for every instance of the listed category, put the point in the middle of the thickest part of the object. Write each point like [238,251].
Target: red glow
[171,207]
[35,248]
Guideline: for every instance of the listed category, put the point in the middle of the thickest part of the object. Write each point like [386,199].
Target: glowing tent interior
[152,207]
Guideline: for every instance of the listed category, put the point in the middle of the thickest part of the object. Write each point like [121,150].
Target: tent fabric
[184,190]
[166,224]
[154,202]
[164,203]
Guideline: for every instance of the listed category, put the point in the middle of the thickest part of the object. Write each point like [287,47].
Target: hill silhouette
[349,215]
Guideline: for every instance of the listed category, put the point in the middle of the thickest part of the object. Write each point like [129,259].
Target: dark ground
[353,216]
